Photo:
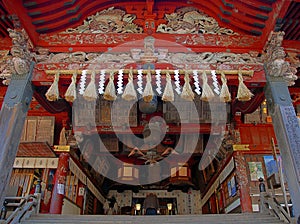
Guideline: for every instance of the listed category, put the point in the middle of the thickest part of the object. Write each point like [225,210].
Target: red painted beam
[291,44]
[5,43]
[16,7]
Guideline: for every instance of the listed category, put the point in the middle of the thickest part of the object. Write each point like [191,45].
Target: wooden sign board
[241,147]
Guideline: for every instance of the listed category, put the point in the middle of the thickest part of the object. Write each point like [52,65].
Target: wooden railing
[24,208]
[269,205]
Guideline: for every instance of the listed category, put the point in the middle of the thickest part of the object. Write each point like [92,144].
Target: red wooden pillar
[243,182]
[59,184]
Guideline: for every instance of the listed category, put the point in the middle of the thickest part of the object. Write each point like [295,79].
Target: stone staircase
[256,218]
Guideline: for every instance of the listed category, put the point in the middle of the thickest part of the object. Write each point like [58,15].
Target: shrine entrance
[164,100]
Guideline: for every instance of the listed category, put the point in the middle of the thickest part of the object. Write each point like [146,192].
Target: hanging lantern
[127,172]
[181,172]
[53,92]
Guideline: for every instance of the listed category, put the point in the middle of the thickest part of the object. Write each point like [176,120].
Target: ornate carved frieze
[84,39]
[209,60]
[275,64]
[189,40]
[18,61]
[191,20]
[110,20]
[216,40]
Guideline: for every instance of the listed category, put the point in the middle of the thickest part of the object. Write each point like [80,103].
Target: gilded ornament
[190,20]
[110,20]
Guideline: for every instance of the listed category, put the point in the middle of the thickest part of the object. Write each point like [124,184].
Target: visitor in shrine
[151,204]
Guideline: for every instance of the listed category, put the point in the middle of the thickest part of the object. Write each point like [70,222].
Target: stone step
[253,218]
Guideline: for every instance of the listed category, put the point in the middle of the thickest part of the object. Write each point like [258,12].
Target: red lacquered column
[59,184]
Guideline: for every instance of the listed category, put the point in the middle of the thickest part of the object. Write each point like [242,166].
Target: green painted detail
[259,16]
[256,32]
[42,30]
[228,4]
[38,22]
[28,4]
[70,3]
[71,11]
[225,11]
[260,25]
[75,18]
[223,19]
[265,8]
[34,13]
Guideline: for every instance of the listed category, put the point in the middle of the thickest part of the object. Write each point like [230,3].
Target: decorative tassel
[110,91]
[215,82]
[168,93]
[207,92]
[129,92]
[177,81]
[243,94]
[196,82]
[82,82]
[158,81]
[148,92]
[53,92]
[140,81]
[101,82]
[224,94]
[90,93]
[70,94]
[187,92]
[120,82]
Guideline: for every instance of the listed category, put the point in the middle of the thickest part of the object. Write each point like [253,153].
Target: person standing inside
[151,204]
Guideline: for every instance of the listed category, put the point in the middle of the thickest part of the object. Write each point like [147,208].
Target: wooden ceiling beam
[280,8]
[15,7]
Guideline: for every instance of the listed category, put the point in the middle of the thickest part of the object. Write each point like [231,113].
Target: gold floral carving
[191,20]
[110,20]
